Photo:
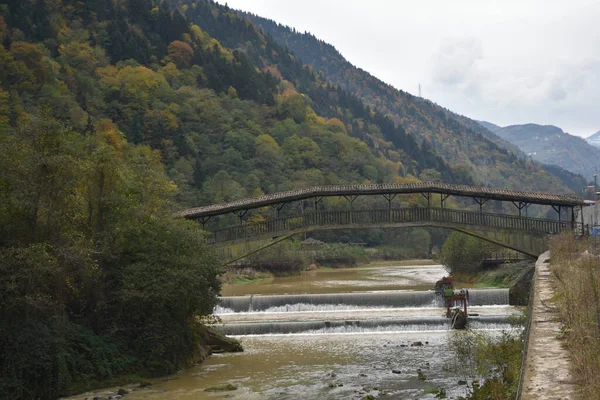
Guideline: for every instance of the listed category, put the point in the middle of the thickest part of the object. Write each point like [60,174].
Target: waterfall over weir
[354,326]
[350,301]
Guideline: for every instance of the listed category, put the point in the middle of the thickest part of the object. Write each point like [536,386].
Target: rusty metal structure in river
[514,231]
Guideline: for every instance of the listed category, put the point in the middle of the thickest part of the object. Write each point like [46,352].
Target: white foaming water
[304,307]
[352,301]
[413,328]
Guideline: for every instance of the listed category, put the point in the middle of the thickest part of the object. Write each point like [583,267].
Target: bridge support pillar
[240,215]
[520,205]
[481,201]
[443,198]
[390,198]
[317,201]
[278,208]
[351,199]
[558,209]
[204,220]
[428,197]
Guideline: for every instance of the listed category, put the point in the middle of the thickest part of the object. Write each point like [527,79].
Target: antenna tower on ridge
[419,90]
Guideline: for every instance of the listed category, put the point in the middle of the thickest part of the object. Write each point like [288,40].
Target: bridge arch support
[529,243]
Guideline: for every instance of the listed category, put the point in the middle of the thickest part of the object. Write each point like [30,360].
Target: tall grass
[493,358]
[576,265]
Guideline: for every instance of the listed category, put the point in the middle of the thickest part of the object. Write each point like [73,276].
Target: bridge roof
[386,188]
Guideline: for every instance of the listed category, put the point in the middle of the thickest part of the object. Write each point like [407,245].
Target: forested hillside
[112,116]
[460,140]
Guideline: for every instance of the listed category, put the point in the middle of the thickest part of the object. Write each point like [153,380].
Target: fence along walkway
[363,218]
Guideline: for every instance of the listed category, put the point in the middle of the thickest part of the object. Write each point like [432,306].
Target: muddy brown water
[335,350]
[407,275]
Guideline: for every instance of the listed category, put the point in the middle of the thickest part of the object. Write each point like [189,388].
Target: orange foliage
[273,70]
[337,124]
[108,132]
[181,53]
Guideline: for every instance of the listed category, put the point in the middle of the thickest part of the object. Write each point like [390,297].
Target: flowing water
[335,334]
[415,275]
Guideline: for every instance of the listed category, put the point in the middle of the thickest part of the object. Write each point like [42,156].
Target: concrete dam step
[349,301]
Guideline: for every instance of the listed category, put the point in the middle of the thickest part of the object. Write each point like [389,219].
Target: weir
[354,326]
[341,301]
[357,312]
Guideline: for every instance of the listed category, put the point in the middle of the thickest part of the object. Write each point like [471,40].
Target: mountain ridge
[594,139]
[458,139]
[549,144]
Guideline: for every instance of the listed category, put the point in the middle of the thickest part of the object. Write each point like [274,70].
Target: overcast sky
[506,62]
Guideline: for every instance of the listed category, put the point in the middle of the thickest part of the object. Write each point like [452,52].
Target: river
[335,334]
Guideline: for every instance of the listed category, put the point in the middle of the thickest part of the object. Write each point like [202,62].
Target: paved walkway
[547,368]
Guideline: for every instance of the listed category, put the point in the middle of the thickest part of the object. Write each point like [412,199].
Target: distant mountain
[594,140]
[489,126]
[551,145]
[466,145]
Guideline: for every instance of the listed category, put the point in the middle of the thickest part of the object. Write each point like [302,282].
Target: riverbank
[575,273]
[502,276]
[209,341]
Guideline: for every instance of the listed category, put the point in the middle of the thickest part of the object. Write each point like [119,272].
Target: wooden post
[558,210]
[443,198]
[481,201]
[317,201]
[351,199]
[389,198]
[428,197]
[204,220]
[241,215]
[277,208]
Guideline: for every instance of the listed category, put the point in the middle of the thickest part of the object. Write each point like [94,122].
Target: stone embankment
[547,374]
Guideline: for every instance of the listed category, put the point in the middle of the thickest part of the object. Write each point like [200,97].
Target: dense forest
[459,140]
[114,115]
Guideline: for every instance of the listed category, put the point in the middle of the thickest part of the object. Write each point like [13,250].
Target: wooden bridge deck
[388,189]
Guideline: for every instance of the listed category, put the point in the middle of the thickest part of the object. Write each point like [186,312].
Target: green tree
[294,107]
[99,278]
[222,188]
[463,253]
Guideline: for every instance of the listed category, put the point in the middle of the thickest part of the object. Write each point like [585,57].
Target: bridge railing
[382,216]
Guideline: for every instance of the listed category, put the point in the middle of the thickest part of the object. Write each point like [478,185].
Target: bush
[497,359]
[285,258]
[462,253]
[340,254]
[43,359]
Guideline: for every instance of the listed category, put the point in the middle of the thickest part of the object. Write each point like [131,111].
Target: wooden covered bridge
[514,231]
